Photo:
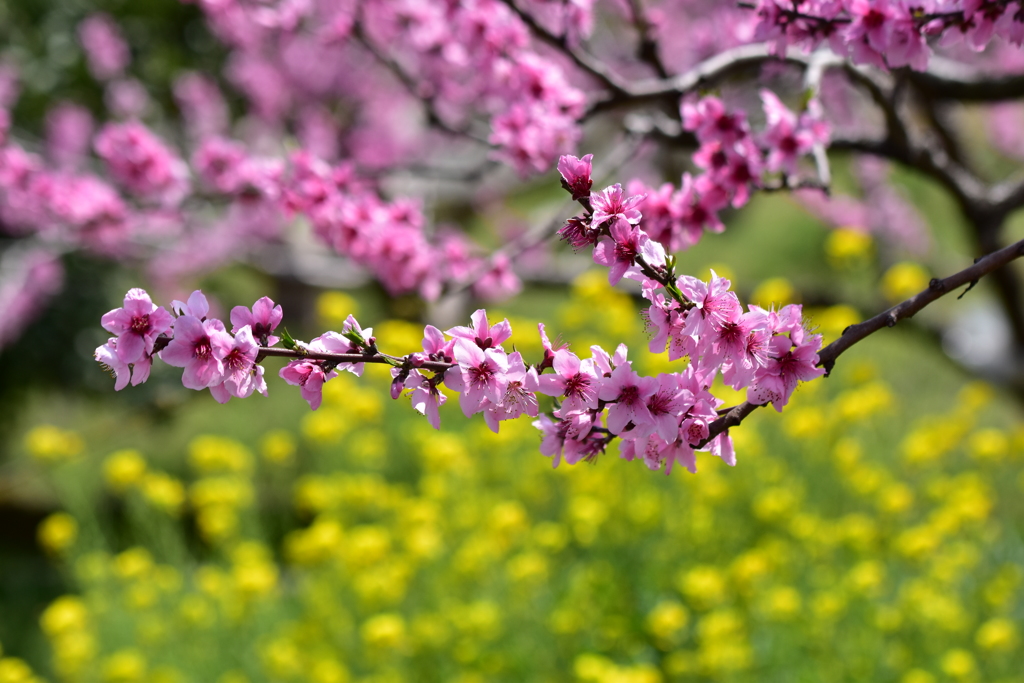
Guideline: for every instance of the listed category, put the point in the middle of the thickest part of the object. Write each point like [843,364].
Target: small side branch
[648,50]
[949,80]
[580,57]
[855,333]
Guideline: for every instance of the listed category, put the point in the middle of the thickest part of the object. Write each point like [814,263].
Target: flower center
[481,375]
[576,385]
[204,350]
[140,324]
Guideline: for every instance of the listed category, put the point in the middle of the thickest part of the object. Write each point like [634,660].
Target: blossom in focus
[137,325]
[263,318]
[199,347]
[576,175]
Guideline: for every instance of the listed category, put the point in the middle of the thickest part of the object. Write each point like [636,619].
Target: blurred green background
[873,531]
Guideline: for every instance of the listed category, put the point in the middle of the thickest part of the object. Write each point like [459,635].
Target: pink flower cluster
[887,33]
[61,206]
[106,51]
[766,352]
[212,358]
[660,420]
[468,60]
[733,162]
[141,163]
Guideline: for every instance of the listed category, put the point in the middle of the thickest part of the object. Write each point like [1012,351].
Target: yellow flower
[803,423]
[998,591]
[400,337]
[14,670]
[333,307]
[51,444]
[847,247]
[216,523]
[749,568]
[864,401]
[72,651]
[833,320]
[904,280]
[997,634]
[550,536]
[976,395]
[782,603]
[430,631]
[327,670]
[254,572]
[230,491]
[989,445]
[918,542]
[57,532]
[666,622]
[958,663]
[282,658]
[703,586]
[591,667]
[867,577]
[133,563]
[528,567]
[321,541]
[587,514]
[721,270]
[367,545]
[895,498]
[507,520]
[776,504]
[196,612]
[325,426]
[315,493]
[828,605]
[776,291]
[210,454]
[384,632]
[255,579]
[124,666]
[123,469]
[64,615]
[164,492]
[480,619]
[917,676]
[278,447]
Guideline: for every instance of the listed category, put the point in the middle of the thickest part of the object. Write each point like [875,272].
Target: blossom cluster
[887,33]
[661,420]
[733,162]
[463,59]
[212,358]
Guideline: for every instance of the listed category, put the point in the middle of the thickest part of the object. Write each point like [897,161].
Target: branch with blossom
[660,420]
[508,66]
[516,83]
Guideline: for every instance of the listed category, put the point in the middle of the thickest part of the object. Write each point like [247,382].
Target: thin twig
[901,311]
[583,59]
[648,50]
[433,115]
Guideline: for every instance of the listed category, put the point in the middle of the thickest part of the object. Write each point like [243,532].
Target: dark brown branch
[948,80]
[413,87]
[384,359]
[581,58]
[855,333]
[648,50]
[711,71]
